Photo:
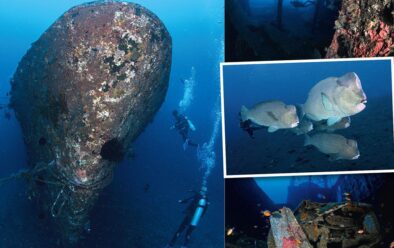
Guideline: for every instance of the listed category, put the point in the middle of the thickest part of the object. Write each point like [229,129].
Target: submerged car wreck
[348,224]
[82,93]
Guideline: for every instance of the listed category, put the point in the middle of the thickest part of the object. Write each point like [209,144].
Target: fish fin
[326,102]
[300,111]
[244,113]
[348,122]
[297,131]
[272,115]
[307,140]
[331,121]
[272,129]
[334,156]
[310,128]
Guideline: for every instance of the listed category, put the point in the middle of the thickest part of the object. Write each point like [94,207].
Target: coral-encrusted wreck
[364,28]
[82,93]
[322,225]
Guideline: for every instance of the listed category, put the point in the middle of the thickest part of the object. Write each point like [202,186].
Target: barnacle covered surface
[88,87]
[364,28]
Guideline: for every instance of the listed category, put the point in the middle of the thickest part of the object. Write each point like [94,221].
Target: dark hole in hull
[42,141]
[112,150]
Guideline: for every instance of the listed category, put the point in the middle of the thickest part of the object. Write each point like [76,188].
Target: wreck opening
[112,150]
[42,141]
[387,15]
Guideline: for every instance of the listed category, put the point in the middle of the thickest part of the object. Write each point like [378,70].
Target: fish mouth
[361,106]
[363,101]
[294,124]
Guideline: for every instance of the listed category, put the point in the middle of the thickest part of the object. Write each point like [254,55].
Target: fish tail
[244,113]
[300,111]
[307,141]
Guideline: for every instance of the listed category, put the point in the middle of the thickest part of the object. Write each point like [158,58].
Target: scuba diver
[193,213]
[300,4]
[183,125]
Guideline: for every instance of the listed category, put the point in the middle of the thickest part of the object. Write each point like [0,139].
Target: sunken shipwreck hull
[82,93]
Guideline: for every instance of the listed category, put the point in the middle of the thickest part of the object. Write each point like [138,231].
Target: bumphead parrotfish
[334,98]
[272,114]
[334,145]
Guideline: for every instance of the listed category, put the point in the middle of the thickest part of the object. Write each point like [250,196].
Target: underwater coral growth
[363,29]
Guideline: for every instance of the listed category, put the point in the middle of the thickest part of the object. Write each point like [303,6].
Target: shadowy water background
[139,208]
[253,33]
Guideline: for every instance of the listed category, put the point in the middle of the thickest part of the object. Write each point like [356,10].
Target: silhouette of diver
[183,125]
[300,4]
[193,213]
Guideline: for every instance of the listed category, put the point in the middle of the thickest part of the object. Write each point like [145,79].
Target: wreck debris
[286,231]
[363,29]
[88,87]
[332,224]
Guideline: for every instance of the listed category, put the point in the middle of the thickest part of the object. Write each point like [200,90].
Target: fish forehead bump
[350,78]
[292,108]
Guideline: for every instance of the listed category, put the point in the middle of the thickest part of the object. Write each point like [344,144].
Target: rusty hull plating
[88,87]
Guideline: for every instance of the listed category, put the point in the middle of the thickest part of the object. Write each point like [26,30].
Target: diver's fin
[332,120]
[191,125]
[307,140]
[326,102]
[244,113]
[272,129]
[272,115]
[334,156]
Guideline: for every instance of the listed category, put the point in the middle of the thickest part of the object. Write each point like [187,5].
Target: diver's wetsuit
[182,125]
[193,213]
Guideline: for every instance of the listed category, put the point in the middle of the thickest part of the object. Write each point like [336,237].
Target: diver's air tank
[202,204]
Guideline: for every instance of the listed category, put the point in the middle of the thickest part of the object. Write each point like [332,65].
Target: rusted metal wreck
[82,93]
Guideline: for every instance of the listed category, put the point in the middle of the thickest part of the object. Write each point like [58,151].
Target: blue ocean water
[265,11]
[278,188]
[139,208]
[283,151]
